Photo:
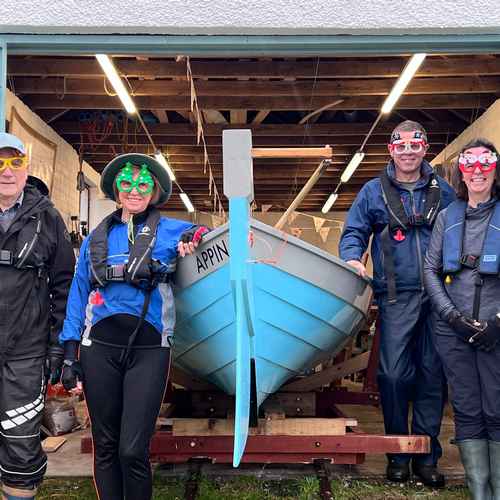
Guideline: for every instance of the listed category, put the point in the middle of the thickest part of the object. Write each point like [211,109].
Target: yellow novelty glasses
[15,163]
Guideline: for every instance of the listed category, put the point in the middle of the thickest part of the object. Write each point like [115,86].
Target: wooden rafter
[323,129]
[339,69]
[348,87]
[455,101]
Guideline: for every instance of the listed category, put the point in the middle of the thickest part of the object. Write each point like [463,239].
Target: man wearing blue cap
[36,267]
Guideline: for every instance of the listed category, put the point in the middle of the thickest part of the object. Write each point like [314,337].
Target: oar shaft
[303,193]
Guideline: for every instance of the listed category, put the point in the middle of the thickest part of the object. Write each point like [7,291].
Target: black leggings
[123,399]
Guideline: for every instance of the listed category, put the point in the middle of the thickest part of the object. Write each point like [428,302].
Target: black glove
[488,338]
[71,371]
[195,234]
[55,358]
[466,328]
[71,374]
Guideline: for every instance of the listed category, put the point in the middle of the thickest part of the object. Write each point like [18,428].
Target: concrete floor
[68,461]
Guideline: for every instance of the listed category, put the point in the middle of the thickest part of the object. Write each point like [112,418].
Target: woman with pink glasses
[462,280]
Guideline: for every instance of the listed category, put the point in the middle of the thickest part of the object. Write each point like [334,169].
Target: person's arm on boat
[433,275]
[357,231]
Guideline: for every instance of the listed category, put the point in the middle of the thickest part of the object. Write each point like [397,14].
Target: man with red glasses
[36,267]
[399,209]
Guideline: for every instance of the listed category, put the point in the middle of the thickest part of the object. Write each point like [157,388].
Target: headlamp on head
[414,145]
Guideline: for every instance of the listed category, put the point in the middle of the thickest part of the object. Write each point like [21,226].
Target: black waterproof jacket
[459,293]
[33,302]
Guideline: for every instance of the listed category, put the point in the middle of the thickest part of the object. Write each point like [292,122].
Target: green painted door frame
[238,46]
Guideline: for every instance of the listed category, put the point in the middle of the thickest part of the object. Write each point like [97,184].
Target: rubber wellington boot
[476,461]
[494,447]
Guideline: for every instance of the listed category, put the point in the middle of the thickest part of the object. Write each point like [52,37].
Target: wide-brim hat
[137,159]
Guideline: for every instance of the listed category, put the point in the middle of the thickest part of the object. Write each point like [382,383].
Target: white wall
[250,16]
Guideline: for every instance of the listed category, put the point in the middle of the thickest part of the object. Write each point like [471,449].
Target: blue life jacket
[453,259]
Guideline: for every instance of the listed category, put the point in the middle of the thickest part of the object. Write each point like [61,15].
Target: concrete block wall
[64,193]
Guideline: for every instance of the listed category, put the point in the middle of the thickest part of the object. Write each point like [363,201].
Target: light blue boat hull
[294,306]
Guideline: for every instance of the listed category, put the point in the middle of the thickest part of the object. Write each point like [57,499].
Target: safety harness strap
[398,218]
[400,222]
[139,269]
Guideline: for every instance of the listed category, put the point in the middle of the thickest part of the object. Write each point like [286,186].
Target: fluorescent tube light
[163,161]
[353,165]
[187,202]
[329,203]
[117,83]
[403,80]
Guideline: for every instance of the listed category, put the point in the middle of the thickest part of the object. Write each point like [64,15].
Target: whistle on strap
[399,235]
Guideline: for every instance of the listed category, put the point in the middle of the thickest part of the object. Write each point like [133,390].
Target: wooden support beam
[343,68]
[215,128]
[213,116]
[330,88]
[238,116]
[328,375]
[197,151]
[266,427]
[260,116]
[161,115]
[51,115]
[320,110]
[304,103]
[258,141]
[325,152]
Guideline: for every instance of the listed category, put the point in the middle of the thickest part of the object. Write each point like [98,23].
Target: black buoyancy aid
[139,270]
[400,222]
[25,255]
[398,218]
[488,263]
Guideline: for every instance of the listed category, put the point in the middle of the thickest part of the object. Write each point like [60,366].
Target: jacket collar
[425,173]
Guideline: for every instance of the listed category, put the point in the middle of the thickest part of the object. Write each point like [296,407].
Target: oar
[238,188]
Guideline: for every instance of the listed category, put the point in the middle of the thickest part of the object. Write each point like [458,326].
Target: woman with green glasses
[121,317]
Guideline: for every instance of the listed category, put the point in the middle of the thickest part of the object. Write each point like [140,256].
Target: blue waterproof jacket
[368,215]
[87,306]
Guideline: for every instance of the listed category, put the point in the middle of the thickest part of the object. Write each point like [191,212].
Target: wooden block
[211,404]
[266,427]
[325,152]
[52,444]
[292,404]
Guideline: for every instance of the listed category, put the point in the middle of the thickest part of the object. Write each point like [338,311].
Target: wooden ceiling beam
[232,68]
[238,116]
[212,116]
[161,115]
[174,151]
[260,116]
[455,101]
[331,88]
[321,129]
[278,141]
[190,162]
